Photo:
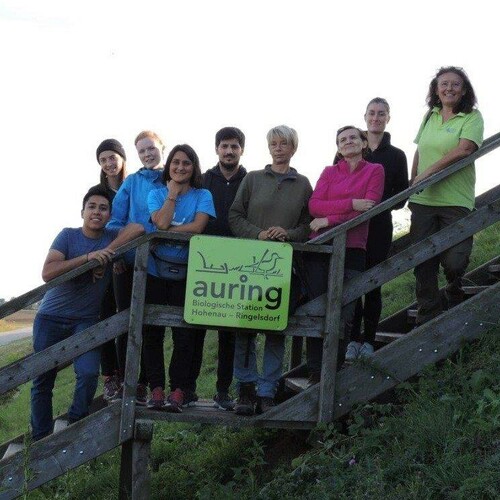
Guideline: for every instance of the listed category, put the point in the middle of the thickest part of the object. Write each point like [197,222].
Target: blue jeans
[245,368]
[47,331]
[274,350]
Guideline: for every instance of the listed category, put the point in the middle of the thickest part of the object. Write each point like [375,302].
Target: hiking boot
[157,399]
[245,405]
[111,389]
[175,401]
[223,401]
[190,399]
[352,351]
[141,395]
[454,295]
[264,404]
[366,350]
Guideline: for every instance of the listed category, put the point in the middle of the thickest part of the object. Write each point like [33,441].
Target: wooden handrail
[489,144]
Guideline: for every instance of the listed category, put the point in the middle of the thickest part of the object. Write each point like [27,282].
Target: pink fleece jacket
[337,187]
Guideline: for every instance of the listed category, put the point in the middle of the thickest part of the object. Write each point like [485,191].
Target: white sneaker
[366,350]
[352,351]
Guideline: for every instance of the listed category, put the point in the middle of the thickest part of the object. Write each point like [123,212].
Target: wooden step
[12,449]
[297,384]
[494,268]
[205,413]
[60,424]
[472,290]
[386,337]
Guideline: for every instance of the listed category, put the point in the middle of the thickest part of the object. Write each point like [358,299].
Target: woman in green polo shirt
[451,130]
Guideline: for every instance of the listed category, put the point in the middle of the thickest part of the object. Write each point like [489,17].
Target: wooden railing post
[332,329]
[296,354]
[134,344]
[135,464]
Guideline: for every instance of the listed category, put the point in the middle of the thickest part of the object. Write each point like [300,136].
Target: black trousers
[187,354]
[425,221]
[225,360]
[316,281]
[377,248]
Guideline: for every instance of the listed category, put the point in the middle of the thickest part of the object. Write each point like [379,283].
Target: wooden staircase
[404,353]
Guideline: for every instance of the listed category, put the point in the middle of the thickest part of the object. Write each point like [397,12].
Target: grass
[440,439]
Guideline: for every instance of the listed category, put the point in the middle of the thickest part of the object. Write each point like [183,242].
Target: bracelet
[172,199]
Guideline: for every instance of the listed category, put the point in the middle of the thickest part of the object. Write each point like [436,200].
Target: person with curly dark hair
[451,130]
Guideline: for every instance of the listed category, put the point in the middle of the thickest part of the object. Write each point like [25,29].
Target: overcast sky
[75,73]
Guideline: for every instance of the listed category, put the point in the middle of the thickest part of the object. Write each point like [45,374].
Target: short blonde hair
[284,132]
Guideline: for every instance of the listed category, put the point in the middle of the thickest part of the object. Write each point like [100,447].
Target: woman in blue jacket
[130,205]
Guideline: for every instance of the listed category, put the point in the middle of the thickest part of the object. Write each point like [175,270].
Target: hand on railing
[318,223]
[362,205]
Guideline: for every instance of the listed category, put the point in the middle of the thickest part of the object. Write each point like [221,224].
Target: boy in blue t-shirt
[74,305]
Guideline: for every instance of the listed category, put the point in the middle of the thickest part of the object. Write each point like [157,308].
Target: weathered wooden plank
[409,258]
[431,342]
[422,251]
[204,413]
[96,405]
[401,359]
[398,322]
[135,463]
[296,352]
[492,143]
[63,352]
[297,384]
[36,294]
[56,454]
[386,337]
[155,314]
[483,199]
[134,343]
[333,323]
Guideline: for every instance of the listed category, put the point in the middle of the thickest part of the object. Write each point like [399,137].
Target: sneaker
[175,401]
[264,404]
[111,388]
[141,395]
[157,399]
[245,405]
[119,394]
[190,399]
[366,350]
[352,351]
[223,401]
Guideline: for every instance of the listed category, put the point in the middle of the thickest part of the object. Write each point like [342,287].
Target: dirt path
[12,335]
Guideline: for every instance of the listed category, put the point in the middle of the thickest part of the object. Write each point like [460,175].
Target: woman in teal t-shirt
[451,130]
[180,206]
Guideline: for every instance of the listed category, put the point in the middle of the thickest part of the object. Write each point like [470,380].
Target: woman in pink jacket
[345,190]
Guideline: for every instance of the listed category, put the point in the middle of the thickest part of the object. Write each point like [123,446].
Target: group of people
[274,204]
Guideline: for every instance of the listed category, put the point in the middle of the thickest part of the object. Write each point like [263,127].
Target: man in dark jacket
[223,182]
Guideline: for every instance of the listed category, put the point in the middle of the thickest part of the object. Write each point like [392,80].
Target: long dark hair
[362,134]
[468,101]
[195,180]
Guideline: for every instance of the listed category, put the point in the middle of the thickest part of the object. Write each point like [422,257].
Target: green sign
[238,283]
